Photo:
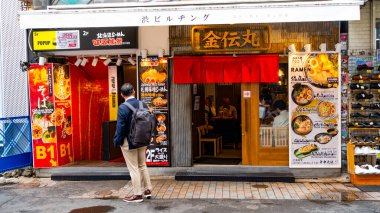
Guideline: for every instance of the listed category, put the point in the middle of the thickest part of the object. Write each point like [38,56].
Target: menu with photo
[314,110]
[154,91]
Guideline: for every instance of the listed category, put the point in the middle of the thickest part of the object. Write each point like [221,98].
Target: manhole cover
[260,186]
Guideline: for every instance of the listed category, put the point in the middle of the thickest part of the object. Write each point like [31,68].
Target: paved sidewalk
[171,189]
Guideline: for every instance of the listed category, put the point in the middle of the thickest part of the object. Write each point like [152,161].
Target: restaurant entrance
[216,120]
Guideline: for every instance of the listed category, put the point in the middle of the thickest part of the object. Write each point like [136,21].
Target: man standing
[134,157]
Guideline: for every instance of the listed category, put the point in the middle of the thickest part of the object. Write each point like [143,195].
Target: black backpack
[142,126]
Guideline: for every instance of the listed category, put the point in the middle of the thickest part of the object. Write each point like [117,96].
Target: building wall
[359,32]
[13,83]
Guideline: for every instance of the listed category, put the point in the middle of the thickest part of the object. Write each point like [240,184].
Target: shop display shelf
[365,143]
[364,81]
[372,154]
[364,128]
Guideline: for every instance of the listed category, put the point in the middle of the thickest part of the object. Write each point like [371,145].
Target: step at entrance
[245,177]
[89,176]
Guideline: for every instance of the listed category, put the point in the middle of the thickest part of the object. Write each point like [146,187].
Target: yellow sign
[112,90]
[234,38]
[45,40]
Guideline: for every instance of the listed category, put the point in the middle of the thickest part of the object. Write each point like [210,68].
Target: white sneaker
[365,169]
[358,170]
[366,150]
[358,150]
[371,170]
[377,169]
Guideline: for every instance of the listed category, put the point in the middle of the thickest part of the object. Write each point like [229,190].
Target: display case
[363,148]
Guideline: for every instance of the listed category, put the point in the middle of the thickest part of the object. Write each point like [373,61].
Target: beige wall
[359,32]
[154,38]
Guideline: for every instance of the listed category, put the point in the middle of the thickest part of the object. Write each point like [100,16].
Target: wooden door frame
[252,152]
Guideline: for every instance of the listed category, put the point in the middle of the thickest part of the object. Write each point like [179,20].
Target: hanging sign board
[314,110]
[154,91]
[85,39]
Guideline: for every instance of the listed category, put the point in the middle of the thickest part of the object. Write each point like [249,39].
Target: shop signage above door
[231,38]
[85,39]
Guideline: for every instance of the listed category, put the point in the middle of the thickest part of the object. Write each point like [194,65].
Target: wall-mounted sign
[112,90]
[154,91]
[231,38]
[86,39]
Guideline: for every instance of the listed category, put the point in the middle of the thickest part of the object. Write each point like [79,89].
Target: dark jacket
[124,118]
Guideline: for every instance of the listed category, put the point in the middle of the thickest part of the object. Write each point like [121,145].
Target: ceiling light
[130,60]
[84,62]
[144,54]
[160,53]
[322,47]
[307,48]
[119,61]
[41,61]
[94,62]
[107,61]
[292,48]
[78,61]
[338,47]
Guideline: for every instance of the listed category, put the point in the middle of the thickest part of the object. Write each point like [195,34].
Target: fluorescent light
[130,60]
[107,61]
[94,62]
[119,61]
[84,62]
[78,61]
[41,61]
[307,48]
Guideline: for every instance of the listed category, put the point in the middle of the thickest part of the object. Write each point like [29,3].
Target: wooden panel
[180,114]
[250,125]
[283,34]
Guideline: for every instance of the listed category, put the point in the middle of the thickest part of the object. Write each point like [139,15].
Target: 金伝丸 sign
[228,38]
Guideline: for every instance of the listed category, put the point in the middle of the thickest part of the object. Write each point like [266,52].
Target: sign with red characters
[50,103]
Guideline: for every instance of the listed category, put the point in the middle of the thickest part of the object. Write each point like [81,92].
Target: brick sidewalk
[171,189]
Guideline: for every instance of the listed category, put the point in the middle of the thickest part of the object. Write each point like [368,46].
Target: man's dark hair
[280,104]
[127,89]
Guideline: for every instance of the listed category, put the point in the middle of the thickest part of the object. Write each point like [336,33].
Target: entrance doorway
[216,123]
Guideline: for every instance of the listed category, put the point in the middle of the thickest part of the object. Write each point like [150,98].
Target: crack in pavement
[1,205]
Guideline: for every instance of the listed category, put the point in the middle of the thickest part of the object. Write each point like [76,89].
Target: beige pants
[135,159]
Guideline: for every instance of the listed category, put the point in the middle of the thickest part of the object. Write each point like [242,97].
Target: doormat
[219,161]
[369,188]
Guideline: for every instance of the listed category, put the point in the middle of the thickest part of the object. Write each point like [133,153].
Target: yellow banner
[45,40]
[112,90]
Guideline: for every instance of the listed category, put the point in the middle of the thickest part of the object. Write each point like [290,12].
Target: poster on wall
[50,107]
[314,110]
[154,91]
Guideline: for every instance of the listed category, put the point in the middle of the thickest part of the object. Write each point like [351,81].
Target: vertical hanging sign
[153,90]
[112,90]
[314,110]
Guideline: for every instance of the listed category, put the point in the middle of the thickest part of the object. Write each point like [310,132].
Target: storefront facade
[179,43]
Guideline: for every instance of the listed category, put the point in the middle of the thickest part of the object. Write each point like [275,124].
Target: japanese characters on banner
[50,103]
[112,89]
[314,110]
[153,90]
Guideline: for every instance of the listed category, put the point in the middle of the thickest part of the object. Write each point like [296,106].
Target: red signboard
[50,106]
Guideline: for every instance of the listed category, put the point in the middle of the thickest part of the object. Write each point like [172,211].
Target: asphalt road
[60,197]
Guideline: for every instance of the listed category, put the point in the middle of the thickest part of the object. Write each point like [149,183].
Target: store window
[377,33]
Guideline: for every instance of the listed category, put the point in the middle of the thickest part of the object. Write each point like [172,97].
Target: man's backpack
[142,126]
